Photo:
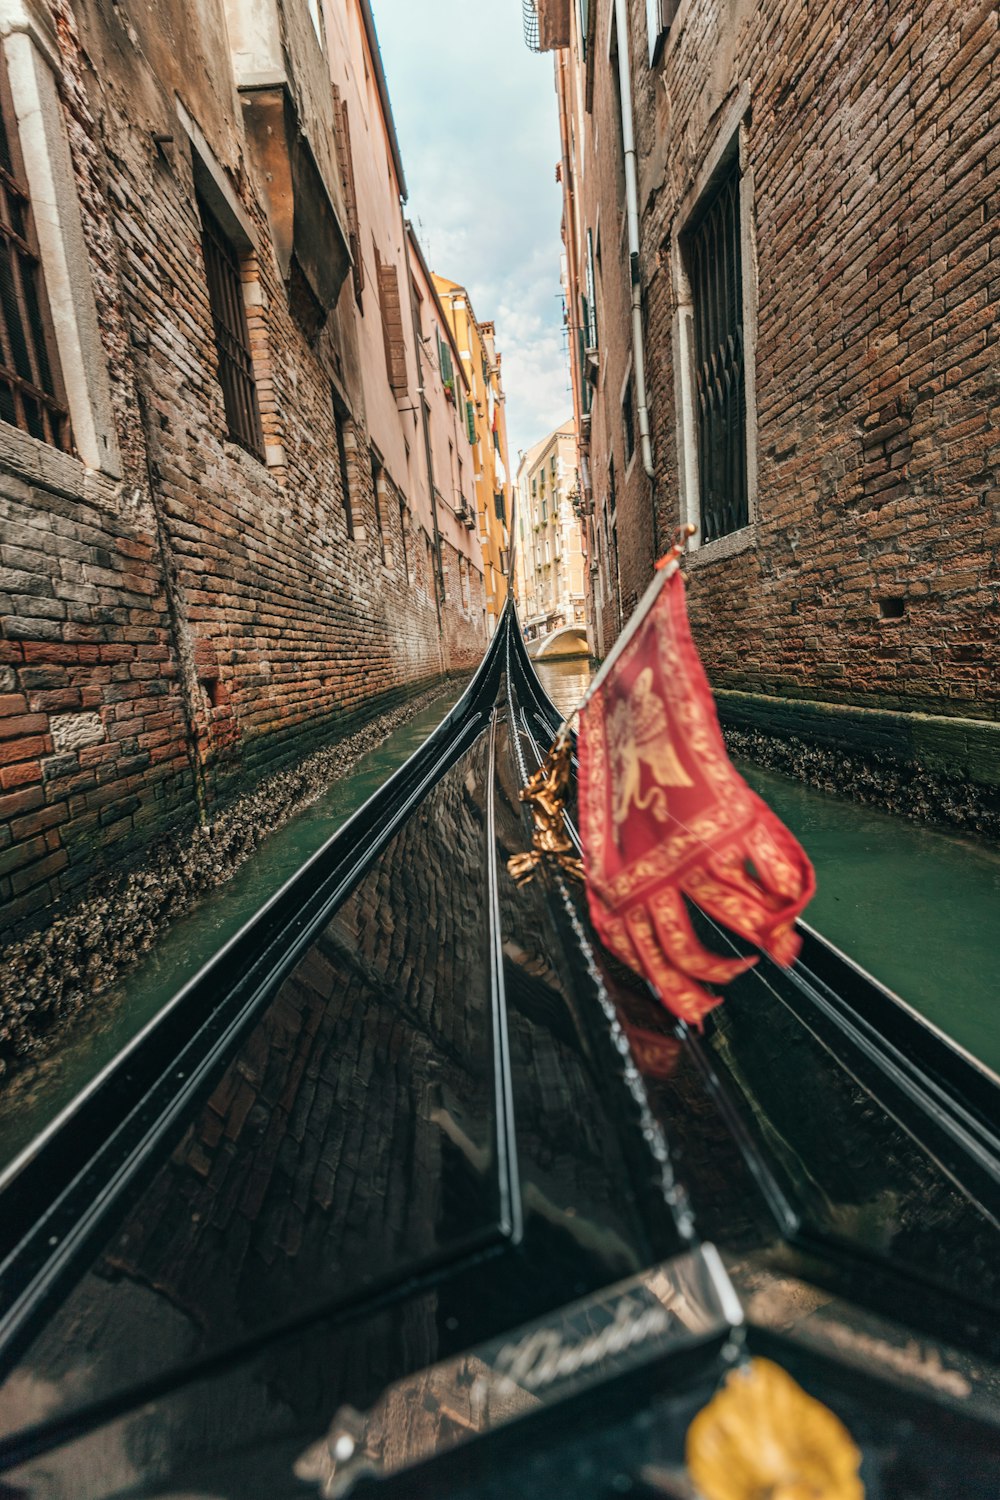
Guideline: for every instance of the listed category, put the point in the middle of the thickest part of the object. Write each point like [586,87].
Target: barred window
[341,418]
[715,269]
[377,488]
[31,388]
[232,339]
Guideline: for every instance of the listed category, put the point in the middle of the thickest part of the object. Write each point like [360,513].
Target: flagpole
[665,568]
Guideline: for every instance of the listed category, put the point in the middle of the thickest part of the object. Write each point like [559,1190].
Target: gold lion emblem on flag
[638,736]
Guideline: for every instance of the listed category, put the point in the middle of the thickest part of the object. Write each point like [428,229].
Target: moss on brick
[935,770]
[968,749]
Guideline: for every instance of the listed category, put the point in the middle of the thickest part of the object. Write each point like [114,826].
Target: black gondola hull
[398,1118]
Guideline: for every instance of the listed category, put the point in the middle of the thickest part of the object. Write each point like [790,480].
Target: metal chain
[652,1131]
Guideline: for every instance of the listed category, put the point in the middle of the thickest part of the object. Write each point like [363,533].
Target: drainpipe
[632,214]
[425,425]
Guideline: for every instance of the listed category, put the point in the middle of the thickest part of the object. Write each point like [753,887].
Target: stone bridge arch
[571,640]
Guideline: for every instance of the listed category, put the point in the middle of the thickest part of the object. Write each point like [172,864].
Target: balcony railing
[546,24]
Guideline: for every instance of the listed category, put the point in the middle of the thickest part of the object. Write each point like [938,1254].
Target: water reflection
[35,1095]
[325,1157]
[565,681]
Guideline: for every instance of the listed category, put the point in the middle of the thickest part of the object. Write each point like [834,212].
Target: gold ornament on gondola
[763,1438]
[545,795]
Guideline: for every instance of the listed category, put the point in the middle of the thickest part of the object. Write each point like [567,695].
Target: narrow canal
[917,907]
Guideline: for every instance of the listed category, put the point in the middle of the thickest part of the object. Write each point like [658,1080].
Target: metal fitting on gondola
[545,795]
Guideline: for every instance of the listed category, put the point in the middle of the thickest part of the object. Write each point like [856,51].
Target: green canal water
[918,908]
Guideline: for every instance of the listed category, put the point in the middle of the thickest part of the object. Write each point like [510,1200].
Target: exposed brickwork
[208,619]
[93,757]
[871,151]
[52,974]
[465,619]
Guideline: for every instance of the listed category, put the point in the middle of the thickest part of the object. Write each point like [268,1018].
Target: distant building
[230,498]
[486,419]
[451,456]
[787,335]
[549,556]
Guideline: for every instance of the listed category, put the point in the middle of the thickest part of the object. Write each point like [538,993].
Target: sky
[478,131]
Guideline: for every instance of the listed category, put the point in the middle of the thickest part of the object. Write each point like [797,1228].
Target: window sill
[250,463]
[50,468]
[723,547]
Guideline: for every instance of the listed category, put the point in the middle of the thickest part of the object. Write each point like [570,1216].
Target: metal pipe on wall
[632,216]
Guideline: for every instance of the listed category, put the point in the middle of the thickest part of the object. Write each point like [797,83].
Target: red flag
[664,815]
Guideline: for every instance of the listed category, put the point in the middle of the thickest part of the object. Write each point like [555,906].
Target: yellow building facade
[486,425]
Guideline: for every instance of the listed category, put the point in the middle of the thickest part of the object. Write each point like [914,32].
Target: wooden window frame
[591,336]
[404,526]
[345,161]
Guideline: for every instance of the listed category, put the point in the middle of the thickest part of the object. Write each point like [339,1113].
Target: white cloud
[475,112]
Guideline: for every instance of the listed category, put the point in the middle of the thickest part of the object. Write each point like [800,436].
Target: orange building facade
[486,427]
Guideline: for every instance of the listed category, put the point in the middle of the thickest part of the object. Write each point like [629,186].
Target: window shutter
[392,325]
[470,421]
[444,358]
[345,162]
[591,298]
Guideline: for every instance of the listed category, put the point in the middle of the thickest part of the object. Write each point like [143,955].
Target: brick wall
[171,637]
[92,745]
[871,144]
